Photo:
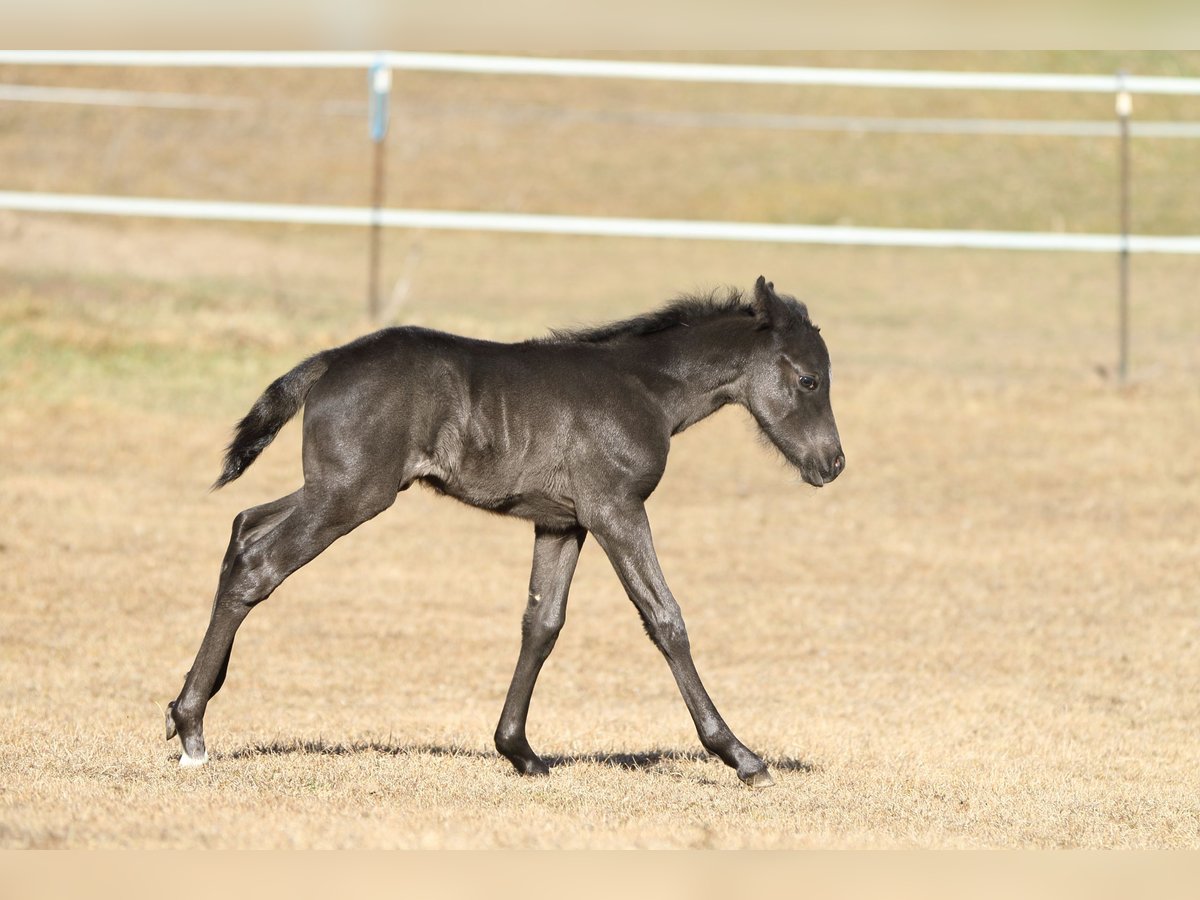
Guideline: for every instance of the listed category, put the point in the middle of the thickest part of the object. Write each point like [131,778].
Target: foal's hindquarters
[346,482]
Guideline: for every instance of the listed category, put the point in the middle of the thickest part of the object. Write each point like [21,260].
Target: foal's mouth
[814,478]
[818,476]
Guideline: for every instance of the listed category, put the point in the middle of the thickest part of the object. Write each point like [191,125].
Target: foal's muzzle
[819,476]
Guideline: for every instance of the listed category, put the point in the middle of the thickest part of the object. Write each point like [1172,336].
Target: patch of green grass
[51,370]
[117,339]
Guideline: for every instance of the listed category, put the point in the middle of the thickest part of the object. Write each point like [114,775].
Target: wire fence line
[517,113]
[76,96]
[857,124]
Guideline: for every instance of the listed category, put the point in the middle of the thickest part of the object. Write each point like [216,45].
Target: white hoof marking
[188,762]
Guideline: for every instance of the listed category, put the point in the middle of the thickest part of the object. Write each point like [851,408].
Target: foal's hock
[570,432]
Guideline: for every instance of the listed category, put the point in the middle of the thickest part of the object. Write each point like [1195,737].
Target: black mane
[683,311]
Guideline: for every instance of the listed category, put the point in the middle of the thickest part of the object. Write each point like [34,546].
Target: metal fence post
[1124,111]
[379,78]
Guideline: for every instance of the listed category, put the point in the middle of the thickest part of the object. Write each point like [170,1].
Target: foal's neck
[695,369]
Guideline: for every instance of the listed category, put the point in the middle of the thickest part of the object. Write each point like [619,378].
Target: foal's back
[522,429]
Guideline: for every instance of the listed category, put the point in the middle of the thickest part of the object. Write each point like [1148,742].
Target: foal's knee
[670,635]
[542,625]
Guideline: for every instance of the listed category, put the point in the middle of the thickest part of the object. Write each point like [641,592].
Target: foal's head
[787,387]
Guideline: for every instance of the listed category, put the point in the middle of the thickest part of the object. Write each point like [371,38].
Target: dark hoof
[759,779]
[531,768]
[171,730]
[518,752]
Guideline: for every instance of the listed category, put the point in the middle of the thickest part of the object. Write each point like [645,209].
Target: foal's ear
[769,310]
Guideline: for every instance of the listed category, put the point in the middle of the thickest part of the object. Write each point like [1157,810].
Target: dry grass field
[984,634]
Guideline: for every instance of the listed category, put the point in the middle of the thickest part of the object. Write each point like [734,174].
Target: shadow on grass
[631,761]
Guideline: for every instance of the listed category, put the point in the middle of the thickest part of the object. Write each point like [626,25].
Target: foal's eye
[808,382]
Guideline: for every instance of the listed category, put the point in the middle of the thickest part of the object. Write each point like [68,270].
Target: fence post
[1124,111]
[379,79]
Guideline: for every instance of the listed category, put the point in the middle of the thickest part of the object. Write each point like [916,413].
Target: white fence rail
[592,225]
[588,68]
[627,227]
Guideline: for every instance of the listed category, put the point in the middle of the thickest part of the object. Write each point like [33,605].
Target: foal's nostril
[839,463]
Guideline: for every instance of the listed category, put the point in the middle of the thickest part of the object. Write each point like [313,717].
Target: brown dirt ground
[983,635]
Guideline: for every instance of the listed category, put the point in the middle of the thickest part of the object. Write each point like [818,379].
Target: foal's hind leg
[554,558]
[248,526]
[280,541]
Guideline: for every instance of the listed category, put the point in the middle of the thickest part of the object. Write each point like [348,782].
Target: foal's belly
[537,506]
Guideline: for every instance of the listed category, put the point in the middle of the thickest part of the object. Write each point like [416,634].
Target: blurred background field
[984,634]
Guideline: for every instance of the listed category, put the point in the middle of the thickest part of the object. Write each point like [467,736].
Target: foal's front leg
[554,558]
[624,533]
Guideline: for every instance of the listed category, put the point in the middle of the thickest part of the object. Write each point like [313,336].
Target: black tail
[270,412]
